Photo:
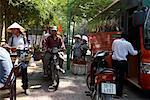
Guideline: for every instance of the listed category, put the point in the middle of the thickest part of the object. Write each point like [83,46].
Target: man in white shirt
[121,48]
[5,66]
[18,41]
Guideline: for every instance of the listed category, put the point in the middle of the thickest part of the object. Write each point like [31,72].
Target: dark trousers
[121,68]
[24,78]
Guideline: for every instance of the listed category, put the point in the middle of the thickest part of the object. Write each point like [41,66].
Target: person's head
[54,31]
[84,39]
[16,31]
[77,37]
[123,35]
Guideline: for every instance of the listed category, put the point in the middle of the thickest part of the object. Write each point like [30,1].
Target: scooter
[105,86]
[100,80]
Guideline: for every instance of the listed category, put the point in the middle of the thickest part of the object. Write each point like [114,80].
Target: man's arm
[131,50]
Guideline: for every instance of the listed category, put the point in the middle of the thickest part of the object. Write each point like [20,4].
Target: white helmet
[54,28]
[77,36]
[85,38]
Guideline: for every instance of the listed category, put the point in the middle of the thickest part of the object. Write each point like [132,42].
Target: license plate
[108,88]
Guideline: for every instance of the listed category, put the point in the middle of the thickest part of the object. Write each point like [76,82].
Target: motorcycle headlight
[146,68]
[54,50]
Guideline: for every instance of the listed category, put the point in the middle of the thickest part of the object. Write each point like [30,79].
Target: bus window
[147,31]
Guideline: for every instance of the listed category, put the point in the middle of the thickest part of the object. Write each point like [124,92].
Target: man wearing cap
[18,41]
[52,41]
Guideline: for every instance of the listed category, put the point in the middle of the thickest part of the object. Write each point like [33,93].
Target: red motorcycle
[100,80]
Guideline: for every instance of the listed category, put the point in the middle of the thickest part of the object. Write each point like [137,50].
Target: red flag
[60,28]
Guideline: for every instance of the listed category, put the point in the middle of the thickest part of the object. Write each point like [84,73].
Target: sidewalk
[70,88]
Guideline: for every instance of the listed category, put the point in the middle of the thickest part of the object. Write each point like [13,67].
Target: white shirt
[121,48]
[18,42]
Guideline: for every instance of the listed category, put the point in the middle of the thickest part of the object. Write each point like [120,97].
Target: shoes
[27,92]
[51,88]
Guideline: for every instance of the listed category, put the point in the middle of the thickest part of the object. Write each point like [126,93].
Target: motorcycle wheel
[88,82]
[56,79]
[106,97]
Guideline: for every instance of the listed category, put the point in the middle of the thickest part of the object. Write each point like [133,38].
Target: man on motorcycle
[52,41]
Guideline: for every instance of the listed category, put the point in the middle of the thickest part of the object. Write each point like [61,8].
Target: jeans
[121,68]
[46,61]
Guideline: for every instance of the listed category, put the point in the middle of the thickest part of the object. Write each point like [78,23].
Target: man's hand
[6,46]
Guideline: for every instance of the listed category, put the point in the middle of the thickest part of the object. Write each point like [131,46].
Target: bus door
[133,61]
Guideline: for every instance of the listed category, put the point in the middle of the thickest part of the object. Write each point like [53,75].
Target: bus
[134,18]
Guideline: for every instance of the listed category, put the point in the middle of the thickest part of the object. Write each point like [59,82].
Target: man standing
[5,66]
[18,41]
[121,47]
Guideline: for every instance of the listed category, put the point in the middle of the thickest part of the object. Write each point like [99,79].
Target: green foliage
[31,13]
[87,9]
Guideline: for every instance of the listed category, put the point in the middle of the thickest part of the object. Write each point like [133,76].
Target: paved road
[71,88]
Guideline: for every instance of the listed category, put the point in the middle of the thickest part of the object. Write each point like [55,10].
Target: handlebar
[15,49]
[58,50]
[102,54]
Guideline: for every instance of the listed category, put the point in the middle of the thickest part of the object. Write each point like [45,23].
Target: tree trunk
[3,14]
[3,30]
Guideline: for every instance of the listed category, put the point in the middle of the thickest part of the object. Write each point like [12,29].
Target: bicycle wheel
[88,82]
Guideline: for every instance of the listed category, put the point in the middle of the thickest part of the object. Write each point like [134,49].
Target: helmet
[54,28]
[77,36]
[85,38]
